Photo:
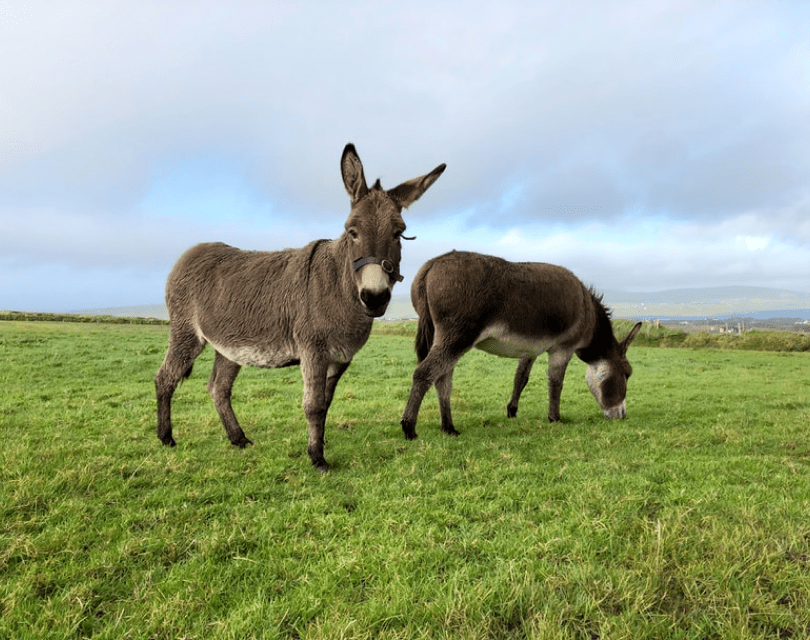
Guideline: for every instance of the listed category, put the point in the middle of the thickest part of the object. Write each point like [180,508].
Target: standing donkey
[312,307]
[513,310]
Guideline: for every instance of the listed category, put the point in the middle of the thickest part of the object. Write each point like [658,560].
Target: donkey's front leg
[334,373]
[314,371]
[524,368]
[557,364]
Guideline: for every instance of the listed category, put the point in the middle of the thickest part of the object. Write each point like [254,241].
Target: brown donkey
[513,310]
[312,306]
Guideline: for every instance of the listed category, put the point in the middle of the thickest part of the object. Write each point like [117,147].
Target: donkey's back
[261,309]
[224,280]
[252,305]
[207,273]
[507,308]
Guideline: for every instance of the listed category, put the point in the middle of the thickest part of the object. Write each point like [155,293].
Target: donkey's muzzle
[616,412]
[375,302]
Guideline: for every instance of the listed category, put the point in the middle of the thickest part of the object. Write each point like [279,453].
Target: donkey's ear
[409,192]
[630,337]
[352,170]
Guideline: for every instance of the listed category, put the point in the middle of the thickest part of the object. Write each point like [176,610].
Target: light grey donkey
[312,307]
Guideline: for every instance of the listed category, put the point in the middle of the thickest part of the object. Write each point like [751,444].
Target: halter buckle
[386,265]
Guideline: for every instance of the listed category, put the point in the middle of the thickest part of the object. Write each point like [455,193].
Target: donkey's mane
[310,259]
[597,300]
[602,333]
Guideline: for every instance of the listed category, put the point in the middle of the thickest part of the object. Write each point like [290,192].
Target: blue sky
[645,145]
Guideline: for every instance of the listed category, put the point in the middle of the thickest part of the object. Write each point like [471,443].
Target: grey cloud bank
[645,145]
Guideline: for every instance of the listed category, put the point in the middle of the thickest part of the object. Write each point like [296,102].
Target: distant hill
[715,302]
[158,311]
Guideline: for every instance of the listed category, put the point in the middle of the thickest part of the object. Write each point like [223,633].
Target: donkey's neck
[602,340]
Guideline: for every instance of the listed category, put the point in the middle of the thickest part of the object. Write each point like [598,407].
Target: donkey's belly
[256,356]
[499,341]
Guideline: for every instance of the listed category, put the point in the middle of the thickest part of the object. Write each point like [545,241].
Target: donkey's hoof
[451,431]
[408,429]
[322,465]
[241,442]
[168,442]
[511,412]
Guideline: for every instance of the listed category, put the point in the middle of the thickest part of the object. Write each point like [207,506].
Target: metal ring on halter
[386,265]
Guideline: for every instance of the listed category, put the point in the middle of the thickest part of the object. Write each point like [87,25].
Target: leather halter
[386,265]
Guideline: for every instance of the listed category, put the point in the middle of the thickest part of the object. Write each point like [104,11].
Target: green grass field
[689,519]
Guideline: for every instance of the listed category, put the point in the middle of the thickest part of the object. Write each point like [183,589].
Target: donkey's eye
[352,233]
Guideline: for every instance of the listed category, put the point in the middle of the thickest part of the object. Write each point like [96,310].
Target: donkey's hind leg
[524,369]
[219,387]
[184,347]
[438,364]
[444,386]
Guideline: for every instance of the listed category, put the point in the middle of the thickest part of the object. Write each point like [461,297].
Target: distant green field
[652,336]
[689,519]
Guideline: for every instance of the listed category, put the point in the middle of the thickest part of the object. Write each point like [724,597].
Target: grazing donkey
[513,310]
[312,306]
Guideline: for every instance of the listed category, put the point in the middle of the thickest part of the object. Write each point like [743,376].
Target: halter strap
[386,265]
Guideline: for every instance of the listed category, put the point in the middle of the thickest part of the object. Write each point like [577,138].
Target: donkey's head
[374,229]
[607,377]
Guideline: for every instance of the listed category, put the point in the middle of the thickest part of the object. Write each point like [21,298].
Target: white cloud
[653,143]
[661,254]
[755,243]
[513,237]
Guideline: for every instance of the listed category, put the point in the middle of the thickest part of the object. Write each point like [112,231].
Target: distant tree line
[653,334]
[75,317]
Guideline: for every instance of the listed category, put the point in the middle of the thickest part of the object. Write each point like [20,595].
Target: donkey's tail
[425,329]
[424,337]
